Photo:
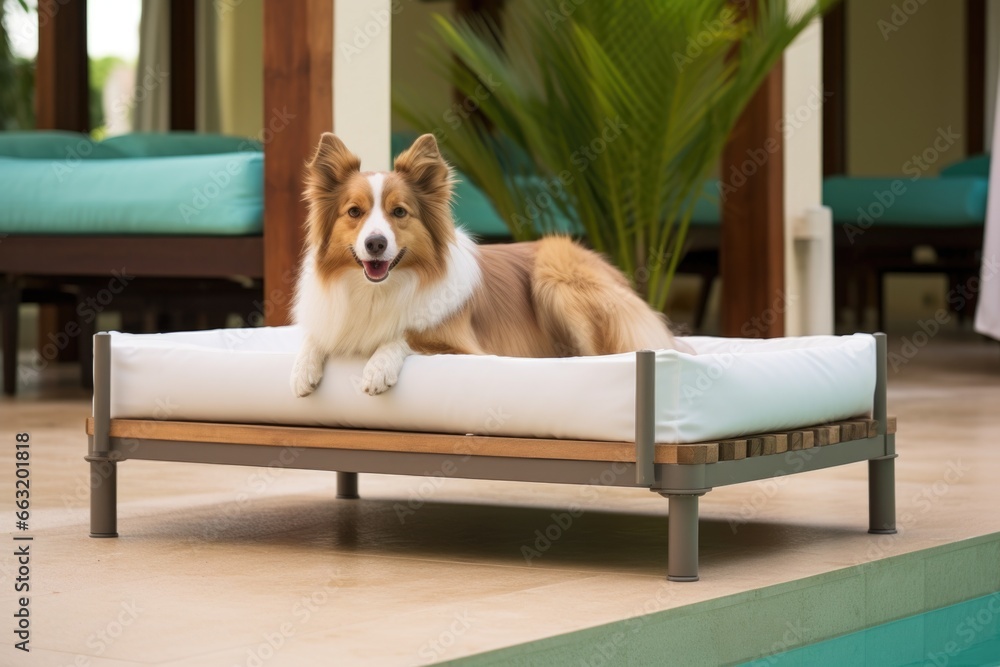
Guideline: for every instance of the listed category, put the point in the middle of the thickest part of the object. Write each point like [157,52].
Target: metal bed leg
[103,467]
[882,496]
[882,470]
[682,537]
[347,485]
[103,497]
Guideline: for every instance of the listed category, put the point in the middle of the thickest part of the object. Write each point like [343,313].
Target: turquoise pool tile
[961,627]
[895,644]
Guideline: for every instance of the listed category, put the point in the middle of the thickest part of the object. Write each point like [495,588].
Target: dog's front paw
[380,373]
[306,375]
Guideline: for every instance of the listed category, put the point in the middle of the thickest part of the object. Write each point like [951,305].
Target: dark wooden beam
[298,90]
[835,87]
[975,76]
[183,74]
[752,255]
[61,77]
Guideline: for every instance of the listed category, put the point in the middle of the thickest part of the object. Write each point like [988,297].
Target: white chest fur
[352,316]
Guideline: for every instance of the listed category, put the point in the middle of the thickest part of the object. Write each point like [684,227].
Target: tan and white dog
[387,274]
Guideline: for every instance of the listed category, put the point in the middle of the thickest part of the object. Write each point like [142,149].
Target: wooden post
[61,79]
[298,108]
[835,85]
[183,73]
[752,256]
[975,76]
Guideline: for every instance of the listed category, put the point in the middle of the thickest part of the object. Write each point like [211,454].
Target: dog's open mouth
[377,270]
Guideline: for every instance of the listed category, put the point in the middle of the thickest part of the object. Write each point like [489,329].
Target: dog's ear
[332,163]
[423,167]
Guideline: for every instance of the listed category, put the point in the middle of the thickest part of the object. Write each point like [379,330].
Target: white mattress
[732,387]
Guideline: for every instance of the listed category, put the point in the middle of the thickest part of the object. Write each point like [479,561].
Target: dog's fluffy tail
[587,303]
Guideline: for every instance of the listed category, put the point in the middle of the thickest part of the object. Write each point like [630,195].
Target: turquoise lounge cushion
[161,144]
[45,145]
[925,202]
[200,194]
[978,165]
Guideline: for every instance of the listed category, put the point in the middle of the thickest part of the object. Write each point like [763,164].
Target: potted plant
[603,118]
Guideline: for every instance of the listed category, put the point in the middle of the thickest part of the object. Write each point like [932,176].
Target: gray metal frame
[681,484]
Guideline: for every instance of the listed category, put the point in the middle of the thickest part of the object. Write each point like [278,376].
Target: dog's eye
[354,212]
[399,212]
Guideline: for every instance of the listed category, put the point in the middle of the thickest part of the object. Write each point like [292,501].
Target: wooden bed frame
[680,472]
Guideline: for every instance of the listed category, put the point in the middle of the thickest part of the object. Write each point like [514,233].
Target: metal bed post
[347,485]
[103,468]
[682,523]
[645,416]
[882,470]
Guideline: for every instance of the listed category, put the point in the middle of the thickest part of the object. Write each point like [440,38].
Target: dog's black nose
[375,244]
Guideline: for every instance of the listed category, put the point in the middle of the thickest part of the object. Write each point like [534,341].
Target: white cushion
[732,387]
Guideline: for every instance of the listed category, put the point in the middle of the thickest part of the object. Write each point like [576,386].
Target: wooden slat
[436,443]
[398,441]
[732,450]
[827,434]
[890,425]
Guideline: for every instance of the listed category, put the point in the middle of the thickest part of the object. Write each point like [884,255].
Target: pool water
[966,634]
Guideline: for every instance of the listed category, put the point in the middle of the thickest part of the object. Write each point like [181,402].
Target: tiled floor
[239,566]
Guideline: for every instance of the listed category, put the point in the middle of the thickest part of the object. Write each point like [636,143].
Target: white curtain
[988,307]
[152,100]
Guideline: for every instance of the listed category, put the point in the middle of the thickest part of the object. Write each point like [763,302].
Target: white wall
[802,125]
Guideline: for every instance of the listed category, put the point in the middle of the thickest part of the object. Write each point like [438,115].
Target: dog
[386,273]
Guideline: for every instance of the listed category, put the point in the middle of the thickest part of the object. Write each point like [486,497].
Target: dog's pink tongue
[376,270]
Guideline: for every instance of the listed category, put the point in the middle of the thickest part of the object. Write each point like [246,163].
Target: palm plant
[604,118]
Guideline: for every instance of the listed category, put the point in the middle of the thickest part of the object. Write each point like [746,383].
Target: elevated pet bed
[669,422]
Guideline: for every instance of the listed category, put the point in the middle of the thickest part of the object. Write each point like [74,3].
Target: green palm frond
[611,115]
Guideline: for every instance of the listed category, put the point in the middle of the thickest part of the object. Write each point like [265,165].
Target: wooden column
[975,76]
[835,85]
[183,73]
[752,256]
[298,108]
[61,79]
